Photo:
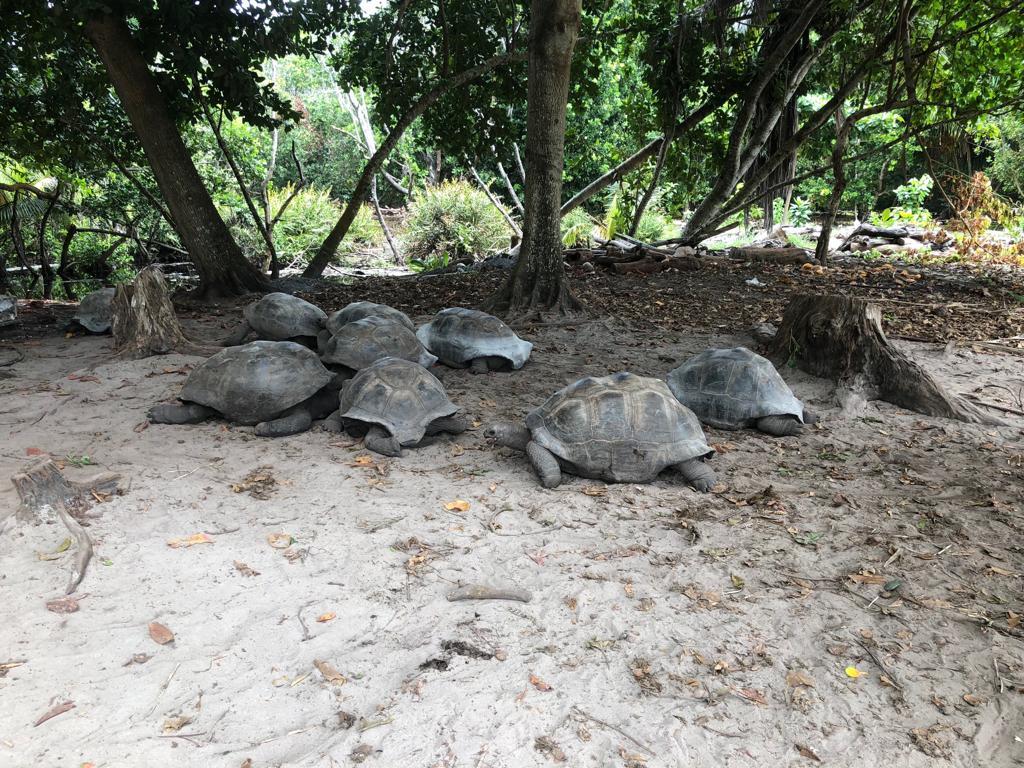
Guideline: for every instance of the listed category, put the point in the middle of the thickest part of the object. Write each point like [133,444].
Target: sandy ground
[666,627]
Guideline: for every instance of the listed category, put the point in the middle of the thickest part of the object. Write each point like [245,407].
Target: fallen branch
[482,592]
[84,553]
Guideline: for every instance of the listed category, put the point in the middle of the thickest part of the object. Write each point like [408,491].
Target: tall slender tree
[538,284]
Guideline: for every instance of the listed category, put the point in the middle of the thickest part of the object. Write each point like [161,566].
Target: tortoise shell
[620,428]
[733,388]
[458,335]
[357,310]
[281,316]
[362,342]
[95,311]
[257,381]
[401,396]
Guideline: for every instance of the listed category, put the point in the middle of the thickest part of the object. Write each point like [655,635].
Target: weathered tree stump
[144,323]
[42,487]
[842,339]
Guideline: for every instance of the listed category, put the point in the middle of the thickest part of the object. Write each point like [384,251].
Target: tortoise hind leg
[698,474]
[184,413]
[478,365]
[379,441]
[780,426]
[292,422]
[545,464]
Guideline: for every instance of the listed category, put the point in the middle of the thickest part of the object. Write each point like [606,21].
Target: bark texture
[41,484]
[144,323]
[538,284]
[842,339]
[223,270]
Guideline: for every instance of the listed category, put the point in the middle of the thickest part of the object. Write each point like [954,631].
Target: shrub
[654,225]
[577,227]
[453,220]
[910,208]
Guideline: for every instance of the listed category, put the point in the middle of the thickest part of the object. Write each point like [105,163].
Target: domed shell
[458,335]
[400,396]
[362,342]
[357,310]
[622,428]
[733,388]
[281,316]
[256,381]
[96,310]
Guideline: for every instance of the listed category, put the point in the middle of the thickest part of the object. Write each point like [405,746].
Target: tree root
[842,339]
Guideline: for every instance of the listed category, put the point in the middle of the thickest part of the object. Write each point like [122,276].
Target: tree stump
[842,339]
[41,484]
[144,322]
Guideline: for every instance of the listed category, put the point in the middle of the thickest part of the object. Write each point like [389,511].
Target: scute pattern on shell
[458,335]
[362,342]
[281,316]
[400,396]
[621,428]
[96,310]
[733,388]
[256,381]
[357,310]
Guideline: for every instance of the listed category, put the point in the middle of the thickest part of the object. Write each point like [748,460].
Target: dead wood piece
[41,484]
[483,592]
[144,322]
[84,552]
[840,338]
[643,266]
[773,255]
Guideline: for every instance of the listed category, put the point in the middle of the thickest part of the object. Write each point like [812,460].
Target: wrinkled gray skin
[621,428]
[362,342]
[468,338]
[394,403]
[357,310]
[280,317]
[278,386]
[736,388]
[96,310]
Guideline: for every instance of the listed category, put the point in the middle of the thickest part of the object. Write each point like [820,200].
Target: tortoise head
[510,435]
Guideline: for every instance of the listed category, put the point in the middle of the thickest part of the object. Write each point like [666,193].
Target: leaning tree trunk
[223,270]
[841,338]
[538,284]
[843,128]
[144,323]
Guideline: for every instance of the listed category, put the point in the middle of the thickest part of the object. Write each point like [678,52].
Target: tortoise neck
[512,435]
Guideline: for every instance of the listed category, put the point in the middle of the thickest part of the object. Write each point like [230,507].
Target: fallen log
[840,338]
[772,255]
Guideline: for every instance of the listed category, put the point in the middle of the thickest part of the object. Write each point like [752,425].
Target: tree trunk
[843,128]
[842,339]
[63,267]
[537,283]
[144,323]
[223,270]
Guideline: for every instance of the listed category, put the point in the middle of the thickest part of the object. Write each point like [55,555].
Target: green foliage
[1007,147]
[910,210]
[654,225]
[577,227]
[431,263]
[453,219]
[799,211]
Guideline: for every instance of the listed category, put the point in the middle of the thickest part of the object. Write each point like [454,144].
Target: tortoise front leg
[780,426]
[698,474]
[379,441]
[238,336]
[184,413]
[451,424]
[545,464]
[293,421]
[478,365]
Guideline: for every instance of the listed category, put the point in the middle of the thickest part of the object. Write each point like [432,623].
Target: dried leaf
[796,678]
[459,505]
[330,674]
[161,635]
[539,684]
[280,540]
[62,605]
[176,723]
[244,569]
[59,709]
[751,694]
[1001,571]
[628,589]
[594,490]
[807,752]
[363,460]
[190,541]
[63,546]
[737,580]
[853,672]
[34,452]
[325,617]
[973,700]
[867,578]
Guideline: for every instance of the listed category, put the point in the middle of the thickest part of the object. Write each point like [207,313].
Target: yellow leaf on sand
[330,674]
[323,617]
[363,460]
[853,672]
[457,506]
[190,541]
[539,684]
[280,540]
[160,634]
